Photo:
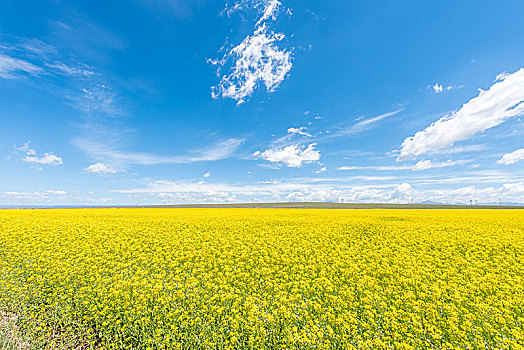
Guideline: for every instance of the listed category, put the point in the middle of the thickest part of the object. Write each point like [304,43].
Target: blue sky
[174,101]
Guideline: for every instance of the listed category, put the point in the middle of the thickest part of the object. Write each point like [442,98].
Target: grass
[9,334]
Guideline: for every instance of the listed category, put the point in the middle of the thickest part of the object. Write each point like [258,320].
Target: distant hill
[295,205]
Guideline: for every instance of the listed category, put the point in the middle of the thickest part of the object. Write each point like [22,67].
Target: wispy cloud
[81,70]
[97,100]
[221,150]
[503,100]
[34,195]
[32,57]
[367,123]
[13,68]
[257,59]
[419,166]
[360,126]
[460,149]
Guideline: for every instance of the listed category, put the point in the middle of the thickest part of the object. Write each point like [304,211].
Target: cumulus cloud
[46,159]
[512,158]
[503,100]
[292,156]
[403,191]
[10,67]
[31,156]
[428,164]
[257,59]
[206,175]
[298,131]
[306,192]
[100,168]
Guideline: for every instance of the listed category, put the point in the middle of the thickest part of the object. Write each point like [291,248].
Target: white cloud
[421,165]
[460,149]
[299,131]
[46,159]
[206,175]
[404,190]
[297,191]
[10,67]
[271,8]
[428,164]
[361,126]
[321,170]
[438,88]
[26,149]
[69,70]
[503,100]
[98,99]
[257,59]
[218,151]
[377,167]
[31,157]
[34,195]
[513,157]
[292,156]
[59,192]
[100,168]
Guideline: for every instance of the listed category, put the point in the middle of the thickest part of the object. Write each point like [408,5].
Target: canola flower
[264,278]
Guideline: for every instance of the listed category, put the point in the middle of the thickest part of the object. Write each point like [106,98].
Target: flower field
[264,278]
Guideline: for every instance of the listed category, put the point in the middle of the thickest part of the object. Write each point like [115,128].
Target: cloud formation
[10,67]
[100,168]
[257,59]
[34,195]
[421,165]
[360,126]
[512,158]
[428,164]
[218,151]
[46,159]
[438,88]
[191,192]
[31,156]
[299,131]
[292,156]
[503,100]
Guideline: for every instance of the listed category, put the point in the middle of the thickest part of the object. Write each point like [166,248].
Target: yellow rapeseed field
[264,278]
